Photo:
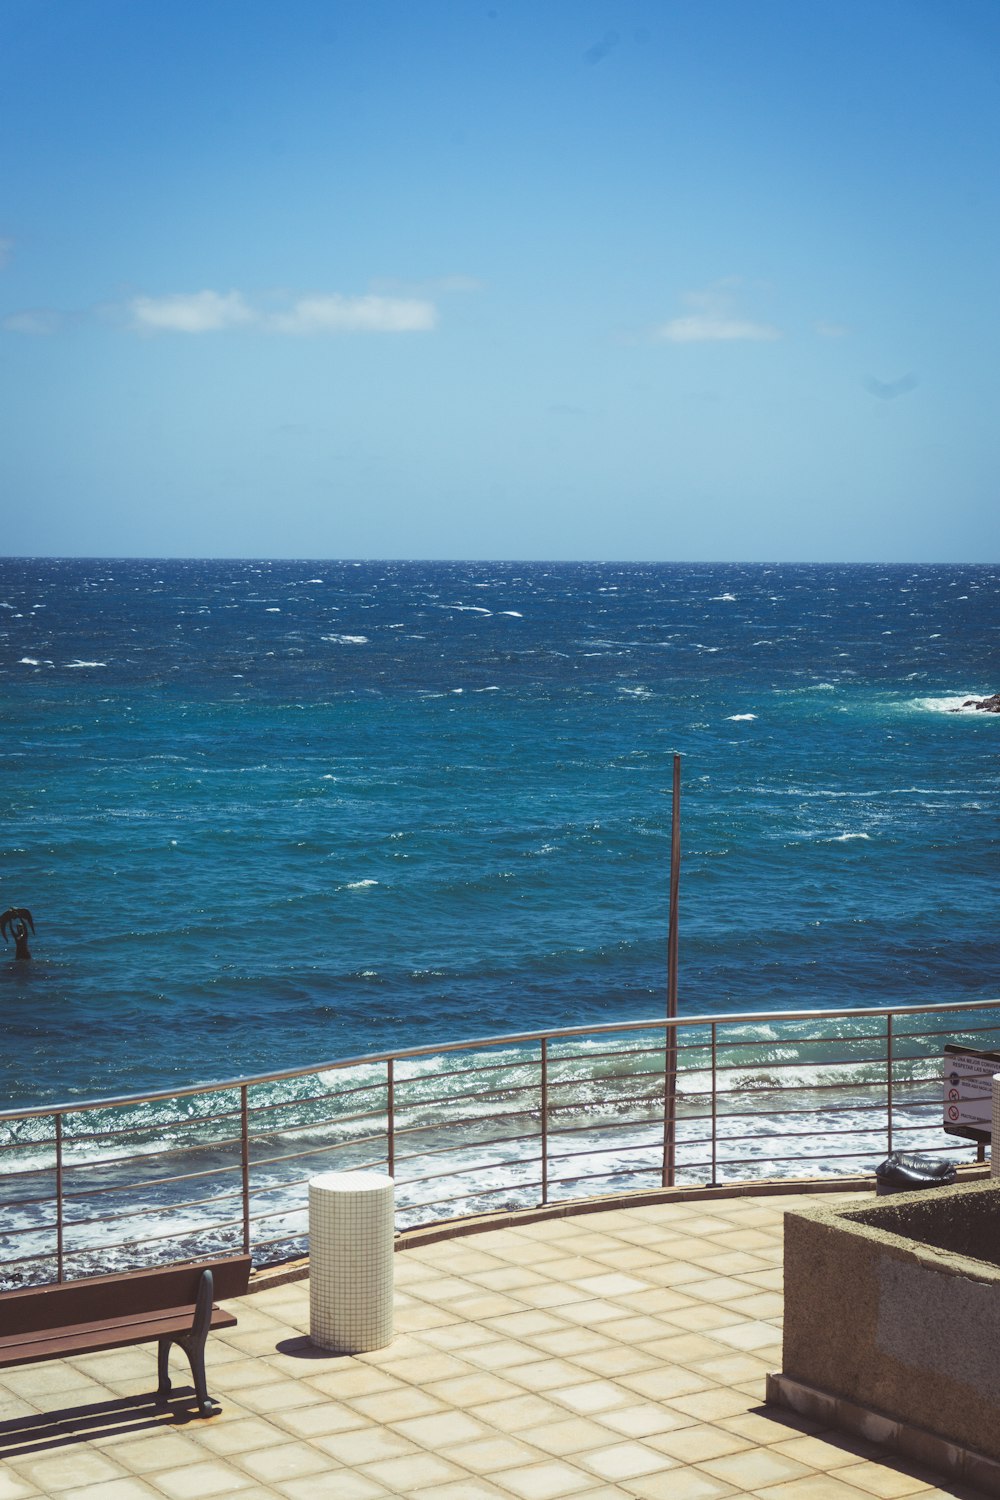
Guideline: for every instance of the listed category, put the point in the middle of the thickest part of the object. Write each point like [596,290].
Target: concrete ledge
[916,1443]
[446,1229]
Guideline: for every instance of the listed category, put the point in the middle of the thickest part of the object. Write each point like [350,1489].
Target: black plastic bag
[906,1171]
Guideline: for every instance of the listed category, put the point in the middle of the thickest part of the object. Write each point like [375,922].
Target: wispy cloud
[6,250]
[189,312]
[832,330]
[712,318]
[204,312]
[35,320]
[336,314]
[323,313]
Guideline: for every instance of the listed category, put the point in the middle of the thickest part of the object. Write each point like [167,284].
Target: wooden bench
[174,1305]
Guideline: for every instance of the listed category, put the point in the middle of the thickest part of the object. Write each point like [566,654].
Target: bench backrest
[129,1294]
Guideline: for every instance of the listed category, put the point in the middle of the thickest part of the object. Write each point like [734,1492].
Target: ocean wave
[345,640]
[738,718]
[85,664]
[951,704]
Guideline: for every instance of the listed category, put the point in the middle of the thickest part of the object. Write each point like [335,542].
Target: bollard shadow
[302,1347]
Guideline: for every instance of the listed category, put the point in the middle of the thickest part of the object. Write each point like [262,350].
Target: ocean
[269,814]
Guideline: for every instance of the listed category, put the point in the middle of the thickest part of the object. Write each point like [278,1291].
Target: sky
[531,279]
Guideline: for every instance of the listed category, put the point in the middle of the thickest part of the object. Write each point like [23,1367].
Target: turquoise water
[267,814]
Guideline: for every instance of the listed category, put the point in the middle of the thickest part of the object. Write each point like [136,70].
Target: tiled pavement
[611,1354]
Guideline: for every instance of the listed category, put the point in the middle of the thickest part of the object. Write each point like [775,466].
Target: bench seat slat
[108,1333]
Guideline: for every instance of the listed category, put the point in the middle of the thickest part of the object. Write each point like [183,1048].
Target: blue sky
[713,279]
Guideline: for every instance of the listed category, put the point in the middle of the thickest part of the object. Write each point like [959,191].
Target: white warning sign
[968,1091]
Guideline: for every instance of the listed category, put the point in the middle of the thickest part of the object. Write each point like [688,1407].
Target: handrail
[76,1106]
[683,1105]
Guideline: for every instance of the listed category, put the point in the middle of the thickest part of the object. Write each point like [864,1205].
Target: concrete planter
[892,1323]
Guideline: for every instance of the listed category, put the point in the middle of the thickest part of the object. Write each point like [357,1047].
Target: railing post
[545,1119]
[245,1164]
[669,1108]
[390,1117]
[714,1121]
[59,1200]
[888,1082]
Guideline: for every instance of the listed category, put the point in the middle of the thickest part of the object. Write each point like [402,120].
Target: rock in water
[990,705]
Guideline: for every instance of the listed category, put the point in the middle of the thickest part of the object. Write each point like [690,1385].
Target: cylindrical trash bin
[994,1153]
[351,1227]
[908,1171]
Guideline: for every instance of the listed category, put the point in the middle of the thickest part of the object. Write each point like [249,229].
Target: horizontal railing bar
[619,1078]
[331,1122]
[25,1260]
[516,1039]
[12,1234]
[154,1239]
[149,1182]
[299,1099]
[653,1145]
[189,1122]
[519,1114]
[151,1208]
[501,1187]
[487,1166]
[486,1067]
[484,1094]
[271,1161]
[123,1161]
[48,1141]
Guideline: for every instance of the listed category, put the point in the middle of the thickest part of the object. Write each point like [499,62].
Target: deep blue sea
[275,813]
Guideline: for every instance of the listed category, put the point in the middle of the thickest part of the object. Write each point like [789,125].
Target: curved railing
[474,1127]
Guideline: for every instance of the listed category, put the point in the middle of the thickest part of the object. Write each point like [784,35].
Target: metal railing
[472,1127]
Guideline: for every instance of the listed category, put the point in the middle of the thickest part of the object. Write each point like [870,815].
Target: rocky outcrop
[989,705]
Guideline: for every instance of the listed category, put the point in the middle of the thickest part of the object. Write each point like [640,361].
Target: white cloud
[832,330]
[712,319]
[190,312]
[214,312]
[35,320]
[371,314]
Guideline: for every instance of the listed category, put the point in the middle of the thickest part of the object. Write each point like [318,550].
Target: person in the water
[18,920]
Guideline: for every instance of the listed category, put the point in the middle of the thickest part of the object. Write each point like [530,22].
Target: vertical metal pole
[888,1081]
[245,1165]
[670,1058]
[390,1117]
[545,1119]
[714,1122]
[59,1200]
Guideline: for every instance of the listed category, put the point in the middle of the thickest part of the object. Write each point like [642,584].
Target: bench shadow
[42,1431]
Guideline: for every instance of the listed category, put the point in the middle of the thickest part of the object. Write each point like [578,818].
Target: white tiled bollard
[351,1226]
[995,1143]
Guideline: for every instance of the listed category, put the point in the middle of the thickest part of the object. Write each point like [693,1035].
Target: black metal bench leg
[193,1344]
[195,1351]
[163,1369]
